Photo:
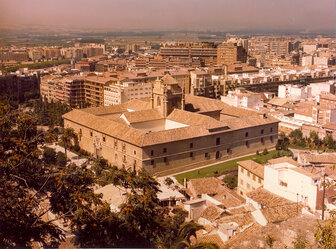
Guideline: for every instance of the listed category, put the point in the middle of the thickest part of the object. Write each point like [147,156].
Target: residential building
[250,176]
[294,92]
[229,53]
[293,183]
[68,90]
[120,93]
[243,98]
[52,53]
[202,85]
[94,89]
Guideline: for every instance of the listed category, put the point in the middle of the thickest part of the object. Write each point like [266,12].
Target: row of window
[261,140]
[261,132]
[254,177]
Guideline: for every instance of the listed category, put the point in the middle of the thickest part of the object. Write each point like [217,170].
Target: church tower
[167,95]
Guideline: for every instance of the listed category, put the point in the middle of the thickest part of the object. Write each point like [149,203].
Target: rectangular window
[241,182]
[165,159]
[248,173]
[91,134]
[254,177]
[104,139]
[218,141]
[271,137]
[191,154]
[259,180]
[206,155]
[135,152]
[164,150]
[247,143]
[262,131]
[262,140]
[152,152]
[152,162]
[191,145]
[242,170]
[116,144]
[246,134]
[271,129]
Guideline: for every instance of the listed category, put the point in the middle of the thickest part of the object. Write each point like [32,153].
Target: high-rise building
[229,53]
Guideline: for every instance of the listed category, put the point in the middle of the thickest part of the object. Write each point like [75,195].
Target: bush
[257,153]
[265,151]
[231,181]
[49,155]
[61,159]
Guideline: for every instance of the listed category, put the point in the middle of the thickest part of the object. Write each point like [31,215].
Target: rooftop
[255,168]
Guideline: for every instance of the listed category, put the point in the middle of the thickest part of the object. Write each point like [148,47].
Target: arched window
[158,100]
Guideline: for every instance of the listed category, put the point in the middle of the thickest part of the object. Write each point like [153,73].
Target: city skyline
[194,15]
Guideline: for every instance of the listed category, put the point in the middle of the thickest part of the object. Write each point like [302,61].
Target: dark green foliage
[300,242]
[325,235]
[169,181]
[26,181]
[61,159]
[21,182]
[296,134]
[49,155]
[120,50]
[265,151]
[50,114]
[37,65]
[231,180]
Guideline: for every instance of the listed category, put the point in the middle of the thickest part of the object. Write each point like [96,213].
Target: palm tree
[67,138]
[183,238]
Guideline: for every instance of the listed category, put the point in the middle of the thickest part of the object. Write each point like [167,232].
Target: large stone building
[171,131]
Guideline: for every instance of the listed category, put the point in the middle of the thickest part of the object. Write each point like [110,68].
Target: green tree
[231,180]
[49,155]
[183,238]
[22,182]
[61,159]
[329,142]
[68,138]
[325,236]
[265,151]
[314,138]
[296,134]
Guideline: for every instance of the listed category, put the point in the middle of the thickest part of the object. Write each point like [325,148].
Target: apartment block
[121,92]
[229,53]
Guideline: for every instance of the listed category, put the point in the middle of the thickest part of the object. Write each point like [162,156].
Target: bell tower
[167,95]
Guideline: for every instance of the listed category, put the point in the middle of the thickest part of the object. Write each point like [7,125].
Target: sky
[202,15]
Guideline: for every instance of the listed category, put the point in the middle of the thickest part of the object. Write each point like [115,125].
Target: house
[250,176]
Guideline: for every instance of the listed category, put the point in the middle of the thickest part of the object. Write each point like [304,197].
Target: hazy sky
[172,14]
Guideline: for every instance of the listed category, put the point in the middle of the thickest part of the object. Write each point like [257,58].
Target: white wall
[297,183]
[303,118]
[317,88]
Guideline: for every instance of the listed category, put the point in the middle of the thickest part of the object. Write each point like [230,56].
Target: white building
[242,98]
[307,61]
[320,61]
[317,88]
[309,48]
[293,183]
[122,92]
[294,92]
